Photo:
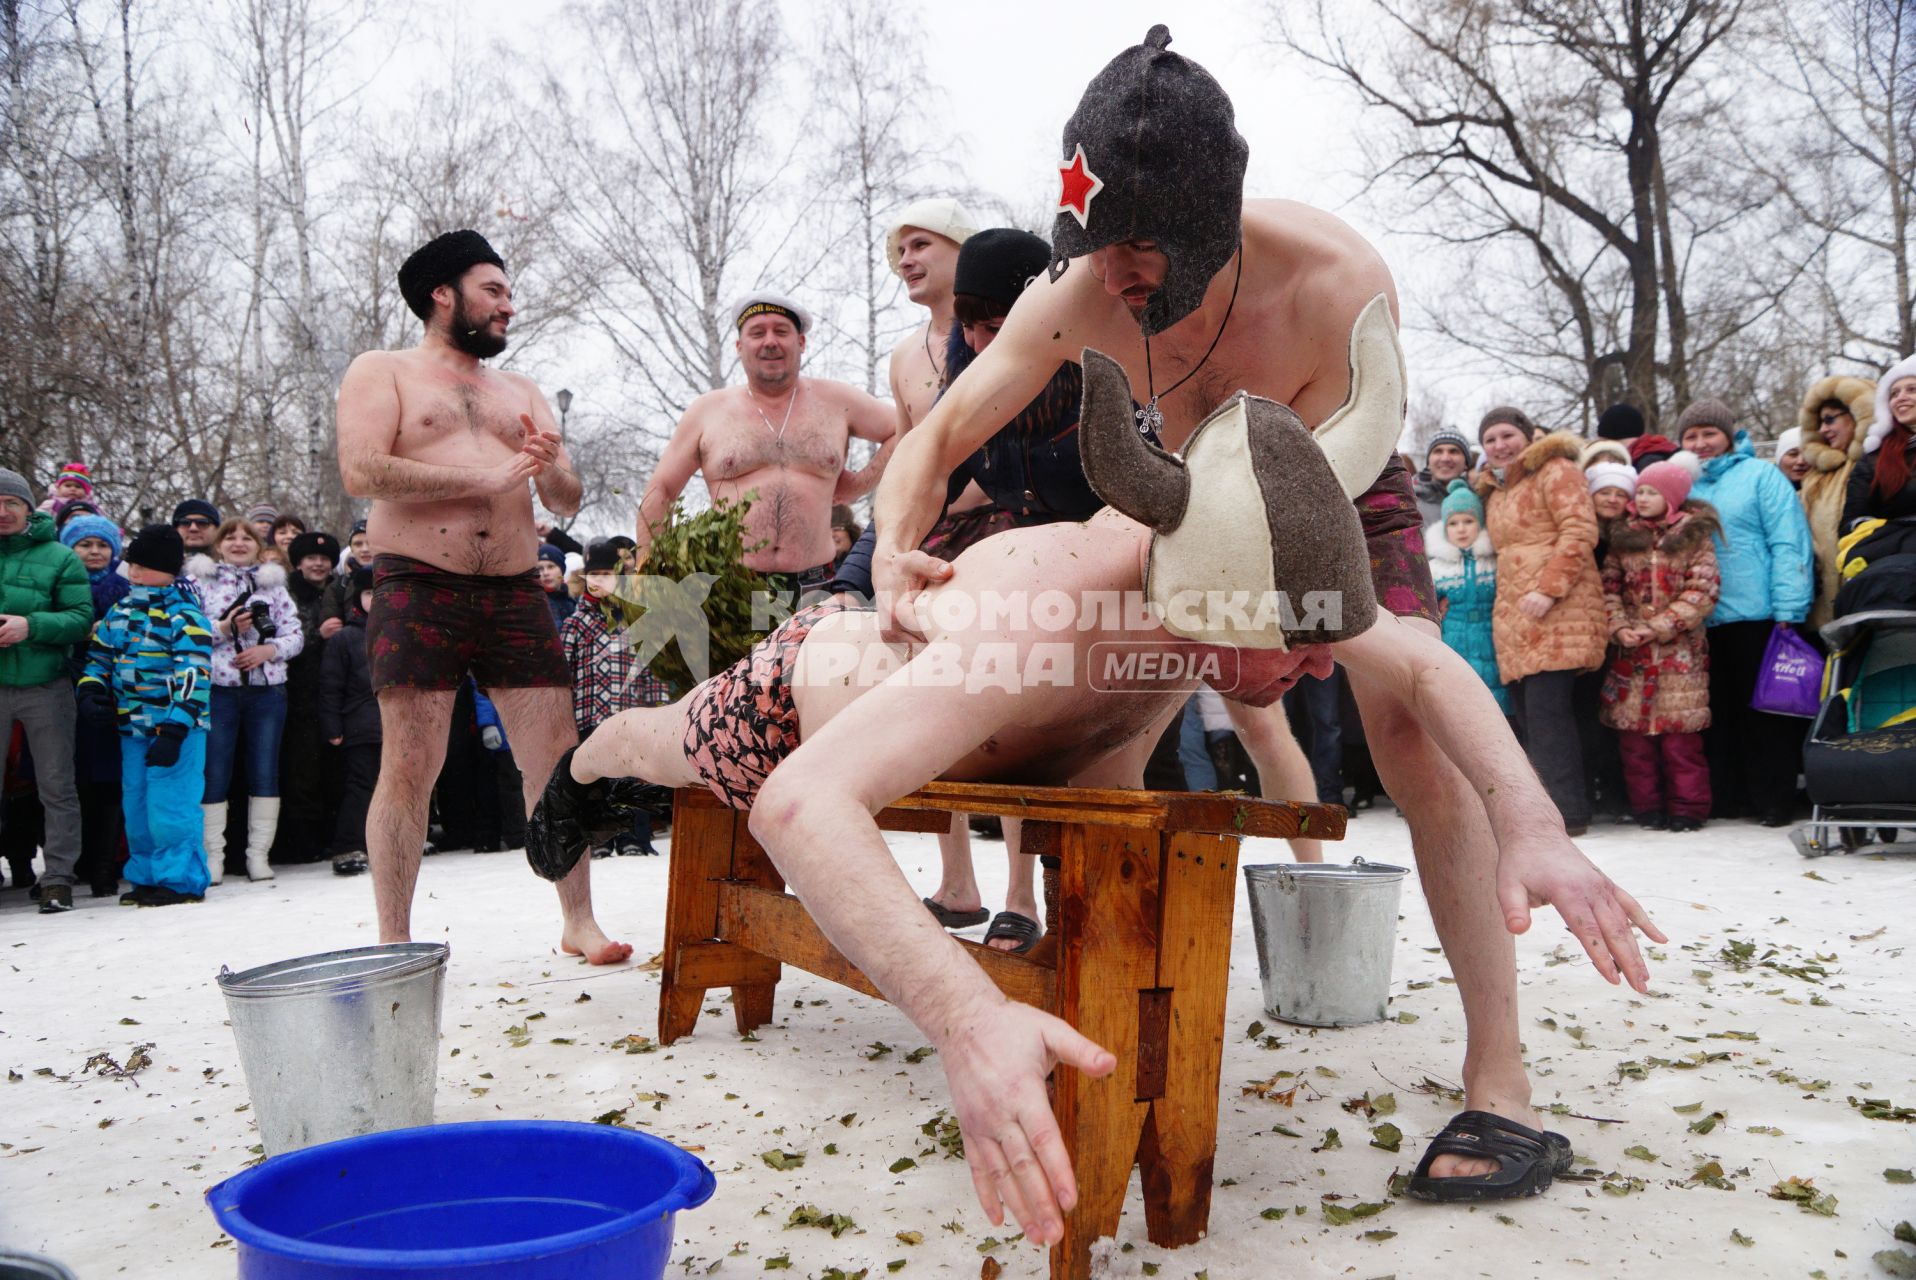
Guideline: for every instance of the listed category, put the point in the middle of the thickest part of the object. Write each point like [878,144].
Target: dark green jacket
[46,584]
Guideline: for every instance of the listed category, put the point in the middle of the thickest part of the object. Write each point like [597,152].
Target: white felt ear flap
[1362,435]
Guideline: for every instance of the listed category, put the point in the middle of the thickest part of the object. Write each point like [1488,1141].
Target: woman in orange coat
[1548,621]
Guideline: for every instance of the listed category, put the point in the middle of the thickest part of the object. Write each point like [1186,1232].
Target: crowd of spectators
[194,697]
[1618,595]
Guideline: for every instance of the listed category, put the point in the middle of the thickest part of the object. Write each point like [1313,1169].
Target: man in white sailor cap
[781,436]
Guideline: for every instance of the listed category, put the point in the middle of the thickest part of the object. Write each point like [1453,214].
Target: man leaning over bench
[824,723]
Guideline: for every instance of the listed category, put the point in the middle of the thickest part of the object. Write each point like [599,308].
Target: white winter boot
[262,820]
[215,819]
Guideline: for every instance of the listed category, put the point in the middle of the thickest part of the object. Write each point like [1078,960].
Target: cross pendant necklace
[1150,418]
[778,433]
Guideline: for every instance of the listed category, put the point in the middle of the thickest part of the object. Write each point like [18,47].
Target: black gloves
[94,703]
[164,751]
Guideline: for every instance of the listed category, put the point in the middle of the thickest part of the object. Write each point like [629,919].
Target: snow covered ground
[1784,993]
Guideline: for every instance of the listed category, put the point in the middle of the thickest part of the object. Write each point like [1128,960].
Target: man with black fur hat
[1174,271]
[445,446]
[782,436]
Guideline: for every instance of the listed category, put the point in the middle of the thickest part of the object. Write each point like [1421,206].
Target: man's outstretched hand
[1551,872]
[996,1062]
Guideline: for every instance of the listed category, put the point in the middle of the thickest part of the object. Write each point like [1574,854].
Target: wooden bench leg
[752,1002]
[701,856]
[1107,922]
[1198,890]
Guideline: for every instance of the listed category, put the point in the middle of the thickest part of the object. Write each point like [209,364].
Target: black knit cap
[157,547]
[1620,422]
[602,557]
[442,260]
[196,507]
[315,543]
[995,265]
[1161,160]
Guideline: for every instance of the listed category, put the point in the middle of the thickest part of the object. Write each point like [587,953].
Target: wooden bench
[1140,887]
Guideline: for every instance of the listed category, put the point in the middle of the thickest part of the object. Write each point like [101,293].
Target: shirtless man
[1198,293]
[781,436]
[922,246]
[775,732]
[444,446]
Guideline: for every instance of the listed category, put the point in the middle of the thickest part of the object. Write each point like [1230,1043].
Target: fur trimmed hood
[1860,395]
[1439,548]
[1879,430]
[265,576]
[1558,444]
[1599,450]
[1698,526]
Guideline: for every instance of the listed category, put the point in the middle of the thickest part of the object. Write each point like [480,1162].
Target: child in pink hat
[73,482]
[1659,585]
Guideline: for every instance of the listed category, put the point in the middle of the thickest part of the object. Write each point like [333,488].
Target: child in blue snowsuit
[1464,568]
[149,669]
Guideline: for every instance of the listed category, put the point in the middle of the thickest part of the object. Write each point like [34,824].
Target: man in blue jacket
[1764,556]
[46,608]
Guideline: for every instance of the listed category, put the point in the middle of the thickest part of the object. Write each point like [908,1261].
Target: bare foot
[1503,1104]
[958,901]
[589,940]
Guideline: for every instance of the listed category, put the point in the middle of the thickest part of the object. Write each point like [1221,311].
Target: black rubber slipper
[1528,1160]
[1021,929]
[955,919]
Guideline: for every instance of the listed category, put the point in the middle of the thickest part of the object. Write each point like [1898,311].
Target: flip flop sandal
[1528,1160]
[1020,929]
[955,919]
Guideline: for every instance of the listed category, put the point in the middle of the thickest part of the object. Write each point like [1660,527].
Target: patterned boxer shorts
[428,628]
[1394,532]
[742,722]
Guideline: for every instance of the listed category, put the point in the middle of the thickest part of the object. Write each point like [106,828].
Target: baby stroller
[1860,761]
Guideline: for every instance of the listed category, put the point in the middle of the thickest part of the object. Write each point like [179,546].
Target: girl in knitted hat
[1464,567]
[73,482]
[1659,585]
[96,747]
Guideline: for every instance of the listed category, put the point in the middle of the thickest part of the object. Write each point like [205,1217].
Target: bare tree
[664,168]
[290,59]
[1846,172]
[1564,149]
[868,83]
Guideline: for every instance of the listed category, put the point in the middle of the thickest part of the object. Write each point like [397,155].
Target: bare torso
[1073,707]
[792,471]
[454,418]
[915,381]
[1306,275]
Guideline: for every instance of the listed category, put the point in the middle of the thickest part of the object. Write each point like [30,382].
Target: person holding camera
[256,630]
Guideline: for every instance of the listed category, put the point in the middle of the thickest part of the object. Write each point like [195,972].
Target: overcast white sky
[1005,74]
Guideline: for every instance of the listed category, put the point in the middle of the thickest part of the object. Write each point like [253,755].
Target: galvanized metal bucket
[339,1044]
[1325,934]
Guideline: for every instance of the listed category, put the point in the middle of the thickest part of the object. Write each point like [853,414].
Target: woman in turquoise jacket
[1766,563]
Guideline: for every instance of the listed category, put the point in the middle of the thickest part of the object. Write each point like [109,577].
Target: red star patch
[1080,186]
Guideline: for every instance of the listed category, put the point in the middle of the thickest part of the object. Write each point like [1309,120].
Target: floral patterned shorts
[742,722]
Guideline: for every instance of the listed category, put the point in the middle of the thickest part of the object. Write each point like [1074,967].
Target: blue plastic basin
[534,1200]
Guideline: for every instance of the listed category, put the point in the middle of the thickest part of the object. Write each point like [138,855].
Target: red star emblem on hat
[1080,186]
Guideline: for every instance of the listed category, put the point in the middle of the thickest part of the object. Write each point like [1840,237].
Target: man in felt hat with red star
[1160,262]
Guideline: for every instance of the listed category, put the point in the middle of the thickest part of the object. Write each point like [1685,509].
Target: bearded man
[444,445]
